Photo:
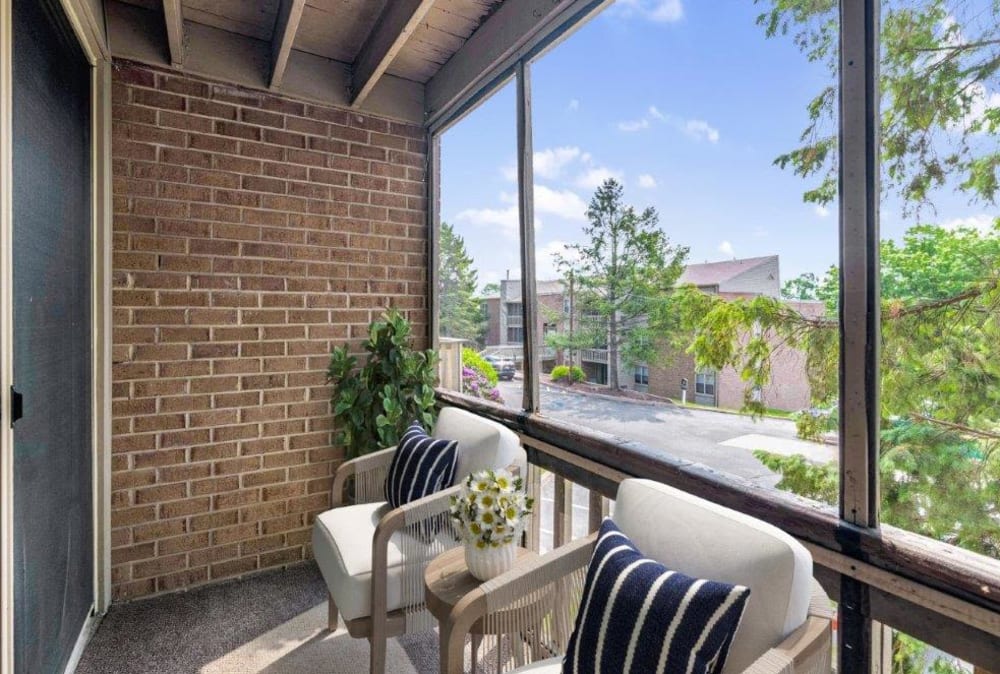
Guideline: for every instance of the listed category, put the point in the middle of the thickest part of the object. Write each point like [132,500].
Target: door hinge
[16,406]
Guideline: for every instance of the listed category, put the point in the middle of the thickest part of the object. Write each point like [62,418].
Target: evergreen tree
[624,274]
[461,315]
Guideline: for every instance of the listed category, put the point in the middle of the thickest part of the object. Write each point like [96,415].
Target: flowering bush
[474,361]
[475,384]
[491,509]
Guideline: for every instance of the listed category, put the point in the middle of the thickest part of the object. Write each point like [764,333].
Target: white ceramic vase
[489,562]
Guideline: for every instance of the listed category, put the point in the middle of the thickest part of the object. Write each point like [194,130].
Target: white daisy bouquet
[491,510]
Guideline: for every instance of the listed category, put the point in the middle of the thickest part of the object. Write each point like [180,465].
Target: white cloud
[564,204]
[660,11]
[592,178]
[647,181]
[632,125]
[700,130]
[574,105]
[822,211]
[983,223]
[727,249]
[550,162]
[506,219]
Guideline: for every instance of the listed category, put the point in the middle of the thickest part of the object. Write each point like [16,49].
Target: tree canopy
[939,71]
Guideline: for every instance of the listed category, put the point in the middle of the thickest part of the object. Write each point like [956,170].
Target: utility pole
[572,311]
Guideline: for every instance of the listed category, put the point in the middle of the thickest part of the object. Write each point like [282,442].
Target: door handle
[16,406]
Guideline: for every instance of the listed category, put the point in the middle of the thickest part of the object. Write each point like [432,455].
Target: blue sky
[688,105]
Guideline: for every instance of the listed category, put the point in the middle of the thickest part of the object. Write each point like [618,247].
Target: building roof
[511,289]
[715,273]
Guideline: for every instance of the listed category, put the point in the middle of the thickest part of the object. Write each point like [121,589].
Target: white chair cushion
[342,544]
[482,443]
[706,540]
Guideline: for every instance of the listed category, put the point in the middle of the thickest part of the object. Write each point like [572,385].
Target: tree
[802,287]
[624,272]
[461,315]
[939,460]
[940,62]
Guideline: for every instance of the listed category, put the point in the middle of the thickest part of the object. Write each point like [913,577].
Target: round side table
[446,581]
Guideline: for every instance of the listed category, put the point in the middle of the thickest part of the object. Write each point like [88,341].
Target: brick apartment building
[749,277]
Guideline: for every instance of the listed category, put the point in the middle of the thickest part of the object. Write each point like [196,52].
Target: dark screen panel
[53,520]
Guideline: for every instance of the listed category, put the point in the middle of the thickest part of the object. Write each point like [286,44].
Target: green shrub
[565,372]
[474,361]
[373,406]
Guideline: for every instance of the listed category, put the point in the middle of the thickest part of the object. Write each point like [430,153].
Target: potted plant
[373,406]
[490,515]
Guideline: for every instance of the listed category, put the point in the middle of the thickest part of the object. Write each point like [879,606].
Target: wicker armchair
[373,557]
[786,629]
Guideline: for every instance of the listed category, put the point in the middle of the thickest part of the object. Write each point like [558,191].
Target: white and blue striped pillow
[637,615]
[421,466]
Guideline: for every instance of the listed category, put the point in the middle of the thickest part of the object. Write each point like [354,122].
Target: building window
[704,383]
[515,335]
[642,375]
[549,328]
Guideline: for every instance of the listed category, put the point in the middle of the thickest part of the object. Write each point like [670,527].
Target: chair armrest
[415,511]
[359,466]
[808,648]
[437,504]
[528,579]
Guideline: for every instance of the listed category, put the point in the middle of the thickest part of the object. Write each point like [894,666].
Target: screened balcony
[199,201]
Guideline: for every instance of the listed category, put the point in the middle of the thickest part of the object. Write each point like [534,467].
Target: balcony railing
[594,355]
[941,594]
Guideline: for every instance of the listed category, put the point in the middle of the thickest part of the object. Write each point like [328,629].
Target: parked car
[506,370]
[504,366]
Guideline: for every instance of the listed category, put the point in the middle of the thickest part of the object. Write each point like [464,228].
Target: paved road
[722,441]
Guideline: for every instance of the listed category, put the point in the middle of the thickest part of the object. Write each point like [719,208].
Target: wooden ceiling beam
[289,16]
[174,18]
[398,21]
[517,29]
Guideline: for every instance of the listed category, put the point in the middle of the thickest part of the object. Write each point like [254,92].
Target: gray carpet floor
[273,623]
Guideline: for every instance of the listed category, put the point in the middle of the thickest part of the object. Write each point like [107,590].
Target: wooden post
[526,203]
[562,512]
[597,512]
[859,310]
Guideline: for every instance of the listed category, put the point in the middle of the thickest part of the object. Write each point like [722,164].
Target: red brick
[233,218]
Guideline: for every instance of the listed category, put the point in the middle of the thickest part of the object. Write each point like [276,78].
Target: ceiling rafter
[173,16]
[289,16]
[394,27]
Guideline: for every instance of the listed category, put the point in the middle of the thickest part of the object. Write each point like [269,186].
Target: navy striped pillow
[637,615]
[420,467]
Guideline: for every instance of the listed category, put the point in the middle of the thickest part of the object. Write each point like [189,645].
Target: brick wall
[252,234]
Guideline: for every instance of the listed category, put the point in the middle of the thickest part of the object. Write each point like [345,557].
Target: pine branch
[958,428]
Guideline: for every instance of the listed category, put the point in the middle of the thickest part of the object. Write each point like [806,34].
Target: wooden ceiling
[409,39]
